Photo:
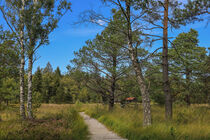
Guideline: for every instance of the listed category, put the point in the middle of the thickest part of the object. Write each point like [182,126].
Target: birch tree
[42,18]
[32,21]
[13,13]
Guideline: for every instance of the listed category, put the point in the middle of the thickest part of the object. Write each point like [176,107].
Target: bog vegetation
[170,83]
[52,122]
[189,123]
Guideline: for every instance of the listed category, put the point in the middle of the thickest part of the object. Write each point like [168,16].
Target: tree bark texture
[22,64]
[187,96]
[166,83]
[113,84]
[141,81]
[30,66]
[29,102]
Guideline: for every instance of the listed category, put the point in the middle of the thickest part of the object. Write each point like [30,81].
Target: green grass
[53,122]
[189,123]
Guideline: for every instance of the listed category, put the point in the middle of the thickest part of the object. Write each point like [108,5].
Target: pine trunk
[111,100]
[187,97]
[22,64]
[112,92]
[138,70]
[29,102]
[113,84]
[144,92]
[166,84]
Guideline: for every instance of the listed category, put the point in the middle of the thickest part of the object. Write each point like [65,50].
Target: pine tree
[106,55]
[187,59]
[37,81]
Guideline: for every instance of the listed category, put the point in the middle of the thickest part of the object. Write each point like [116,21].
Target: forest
[135,77]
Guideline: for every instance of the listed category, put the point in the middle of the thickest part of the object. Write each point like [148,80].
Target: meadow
[52,122]
[62,122]
[189,123]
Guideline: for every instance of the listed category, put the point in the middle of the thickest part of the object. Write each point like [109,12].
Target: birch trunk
[22,64]
[29,102]
[30,66]
[166,84]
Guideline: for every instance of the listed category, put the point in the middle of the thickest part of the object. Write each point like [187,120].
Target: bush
[158,98]
[77,124]
[78,105]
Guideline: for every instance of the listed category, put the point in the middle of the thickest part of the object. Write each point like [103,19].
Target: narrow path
[98,131]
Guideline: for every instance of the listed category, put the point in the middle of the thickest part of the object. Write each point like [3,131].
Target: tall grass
[189,123]
[52,122]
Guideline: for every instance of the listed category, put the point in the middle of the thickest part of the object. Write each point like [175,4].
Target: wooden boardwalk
[98,131]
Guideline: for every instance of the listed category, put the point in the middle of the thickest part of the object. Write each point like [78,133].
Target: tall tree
[47,78]
[13,13]
[9,55]
[160,21]
[166,83]
[164,15]
[41,19]
[37,81]
[9,66]
[105,58]
[132,31]
[187,60]
[130,34]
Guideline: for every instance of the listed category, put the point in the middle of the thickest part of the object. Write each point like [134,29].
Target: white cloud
[82,31]
[101,22]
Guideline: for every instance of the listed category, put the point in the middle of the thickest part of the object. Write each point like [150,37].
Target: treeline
[88,82]
[111,74]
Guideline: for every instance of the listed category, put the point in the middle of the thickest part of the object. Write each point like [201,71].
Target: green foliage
[193,10]
[37,100]
[9,63]
[9,90]
[83,96]
[187,60]
[37,81]
[105,60]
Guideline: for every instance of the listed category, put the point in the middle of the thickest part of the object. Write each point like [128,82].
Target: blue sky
[68,38]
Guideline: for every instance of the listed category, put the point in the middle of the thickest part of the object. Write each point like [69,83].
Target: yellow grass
[52,122]
[191,123]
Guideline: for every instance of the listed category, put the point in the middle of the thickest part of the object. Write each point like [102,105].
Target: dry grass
[52,122]
[189,123]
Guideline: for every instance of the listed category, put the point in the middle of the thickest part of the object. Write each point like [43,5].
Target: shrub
[78,105]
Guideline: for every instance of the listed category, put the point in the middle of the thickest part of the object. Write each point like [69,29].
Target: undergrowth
[52,122]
